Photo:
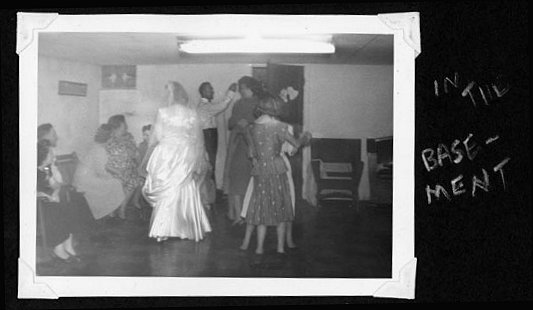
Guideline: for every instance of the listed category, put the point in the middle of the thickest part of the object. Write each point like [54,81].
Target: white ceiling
[162,48]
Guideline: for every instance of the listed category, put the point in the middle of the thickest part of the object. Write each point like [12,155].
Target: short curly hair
[116,120]
[103,133]
[43,130]
[253,84]
[147,127]
[270,105]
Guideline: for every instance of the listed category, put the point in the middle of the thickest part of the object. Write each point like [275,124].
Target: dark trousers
[85,222]
[211,146]
[59,220]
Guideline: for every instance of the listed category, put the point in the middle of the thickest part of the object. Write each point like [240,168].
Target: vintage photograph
[250,154]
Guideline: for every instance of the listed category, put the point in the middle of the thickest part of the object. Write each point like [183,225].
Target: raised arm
[285,135]
[235,116]
[288,148]
[216,108]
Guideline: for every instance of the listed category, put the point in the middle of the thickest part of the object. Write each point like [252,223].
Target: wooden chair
[380,169]
[337,169]
[67,164]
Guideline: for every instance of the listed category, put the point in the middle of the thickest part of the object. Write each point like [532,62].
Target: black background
[469,248]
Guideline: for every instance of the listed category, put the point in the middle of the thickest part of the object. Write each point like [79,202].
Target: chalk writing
[460,150]
[492,139]
[458,188]
[454,154]
[475,91]
[499,167]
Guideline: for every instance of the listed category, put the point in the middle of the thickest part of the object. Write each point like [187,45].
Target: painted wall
[350,101]
[74,118]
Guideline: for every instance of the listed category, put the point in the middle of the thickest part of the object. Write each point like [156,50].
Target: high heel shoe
[161,239]
[59,260]
[74,257]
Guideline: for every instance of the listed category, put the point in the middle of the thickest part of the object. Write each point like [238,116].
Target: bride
[175,163]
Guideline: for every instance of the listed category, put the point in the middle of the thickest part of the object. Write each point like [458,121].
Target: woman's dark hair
[146,128]
[43,130]
[116,120]
[254,85]
[103,133]
[43,149]
[202,86]
[269,105]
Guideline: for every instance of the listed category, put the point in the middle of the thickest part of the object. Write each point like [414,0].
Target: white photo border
[404,27]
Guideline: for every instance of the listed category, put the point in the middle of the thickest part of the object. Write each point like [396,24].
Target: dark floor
[334,240]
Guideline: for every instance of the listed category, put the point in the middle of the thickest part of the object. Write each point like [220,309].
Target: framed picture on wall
[119,77]
[72,89]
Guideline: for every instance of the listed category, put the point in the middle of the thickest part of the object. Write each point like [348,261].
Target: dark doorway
[279,78]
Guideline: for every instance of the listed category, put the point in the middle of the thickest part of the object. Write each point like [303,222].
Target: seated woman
[103,192]
[59,218]
[68,193]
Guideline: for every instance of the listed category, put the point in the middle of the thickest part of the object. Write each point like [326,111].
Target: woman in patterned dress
[270,202]
[287,149]
[123,156]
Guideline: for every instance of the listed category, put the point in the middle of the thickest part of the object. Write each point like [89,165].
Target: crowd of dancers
[172,171]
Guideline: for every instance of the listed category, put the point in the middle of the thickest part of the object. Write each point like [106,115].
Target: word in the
[484,93]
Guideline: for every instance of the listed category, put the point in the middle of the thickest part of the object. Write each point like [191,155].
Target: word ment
[456,153]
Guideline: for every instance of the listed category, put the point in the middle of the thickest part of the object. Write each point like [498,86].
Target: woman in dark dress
[238,165]
[69,193]
[59,217]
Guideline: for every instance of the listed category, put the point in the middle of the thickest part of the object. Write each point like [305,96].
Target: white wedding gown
[170,187]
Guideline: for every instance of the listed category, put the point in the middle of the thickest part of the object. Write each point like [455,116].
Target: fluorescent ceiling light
[257,45]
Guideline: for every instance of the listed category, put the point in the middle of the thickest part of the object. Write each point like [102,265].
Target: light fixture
[257,45]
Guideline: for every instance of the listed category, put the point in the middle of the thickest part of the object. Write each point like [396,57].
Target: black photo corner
[473,237]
